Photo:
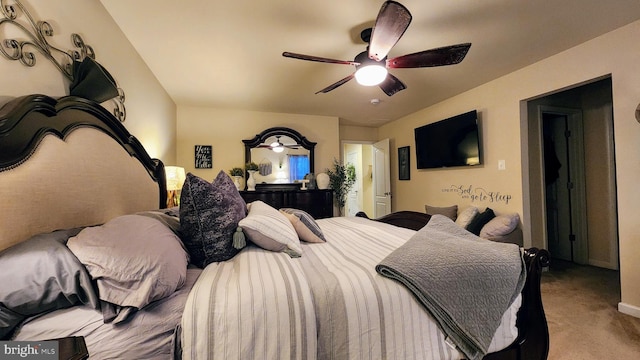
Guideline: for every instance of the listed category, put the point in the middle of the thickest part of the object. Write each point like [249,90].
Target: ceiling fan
[372,64]
[278,146]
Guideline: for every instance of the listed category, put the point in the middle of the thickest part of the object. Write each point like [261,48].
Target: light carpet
[581,307]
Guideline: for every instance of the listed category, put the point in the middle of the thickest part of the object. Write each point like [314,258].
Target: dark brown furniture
[318,203]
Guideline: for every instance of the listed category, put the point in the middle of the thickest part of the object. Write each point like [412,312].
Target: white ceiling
[228,53]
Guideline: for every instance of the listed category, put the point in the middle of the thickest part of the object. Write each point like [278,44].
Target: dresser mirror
[283,155]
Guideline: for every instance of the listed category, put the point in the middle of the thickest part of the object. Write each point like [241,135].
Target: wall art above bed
[89,79]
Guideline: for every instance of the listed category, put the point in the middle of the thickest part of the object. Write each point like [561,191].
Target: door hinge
[572,237]
[570,185]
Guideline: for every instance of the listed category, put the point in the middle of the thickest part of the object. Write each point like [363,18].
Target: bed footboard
[533,334]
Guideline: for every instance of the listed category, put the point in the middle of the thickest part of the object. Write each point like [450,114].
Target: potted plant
[236,173]
[251,168]
[341,180]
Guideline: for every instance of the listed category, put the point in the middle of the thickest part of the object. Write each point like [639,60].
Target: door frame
[382,204]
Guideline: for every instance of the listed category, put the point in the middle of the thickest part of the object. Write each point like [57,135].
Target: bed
[89,250]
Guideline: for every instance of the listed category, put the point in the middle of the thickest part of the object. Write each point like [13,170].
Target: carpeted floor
[581,307]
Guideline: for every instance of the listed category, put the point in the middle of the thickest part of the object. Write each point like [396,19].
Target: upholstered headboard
[66,163]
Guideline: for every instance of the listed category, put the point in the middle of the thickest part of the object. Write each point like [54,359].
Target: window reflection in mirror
[289,165]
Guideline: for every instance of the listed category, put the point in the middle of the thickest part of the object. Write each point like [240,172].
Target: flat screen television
[449,143]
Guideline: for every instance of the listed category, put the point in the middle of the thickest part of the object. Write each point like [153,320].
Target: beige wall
[499,103]
[151,114]
[358,133]
[225,129]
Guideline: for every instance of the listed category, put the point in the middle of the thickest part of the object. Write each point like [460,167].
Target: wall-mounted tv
[450,142]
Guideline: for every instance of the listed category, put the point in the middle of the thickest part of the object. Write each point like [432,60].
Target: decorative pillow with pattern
[313,233]
[303,232]
[209,215]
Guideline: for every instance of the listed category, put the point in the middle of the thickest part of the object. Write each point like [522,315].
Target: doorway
[371,192]
[592,229]
[360,198]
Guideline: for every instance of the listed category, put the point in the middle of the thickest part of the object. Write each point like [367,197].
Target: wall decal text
[478,194]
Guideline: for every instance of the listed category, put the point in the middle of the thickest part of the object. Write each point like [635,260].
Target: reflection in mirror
[283,156]
[287,162]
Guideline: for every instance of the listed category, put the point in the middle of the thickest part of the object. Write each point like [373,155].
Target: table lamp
[175,178]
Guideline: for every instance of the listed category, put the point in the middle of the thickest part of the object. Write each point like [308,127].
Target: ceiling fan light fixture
[278,149]
[371,75]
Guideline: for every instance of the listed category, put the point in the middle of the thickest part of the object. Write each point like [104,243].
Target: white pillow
[465,217]
[500,225]
[268,228]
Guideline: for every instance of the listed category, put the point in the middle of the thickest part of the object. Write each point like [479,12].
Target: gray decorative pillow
[209,215]
[134,260]
[449,211]
[40,275]
[314,233]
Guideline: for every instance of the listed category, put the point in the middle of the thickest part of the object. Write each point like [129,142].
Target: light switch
[501,165]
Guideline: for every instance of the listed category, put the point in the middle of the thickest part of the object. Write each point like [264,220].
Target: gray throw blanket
[466,283]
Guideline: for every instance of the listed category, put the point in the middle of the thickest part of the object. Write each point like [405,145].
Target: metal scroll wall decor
[88,78]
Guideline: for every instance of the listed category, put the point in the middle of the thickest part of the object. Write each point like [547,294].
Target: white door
[381,178]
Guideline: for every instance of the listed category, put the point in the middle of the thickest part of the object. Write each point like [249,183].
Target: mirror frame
[284,131]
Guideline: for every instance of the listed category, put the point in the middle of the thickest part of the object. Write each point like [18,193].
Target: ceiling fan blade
[447,55]
[392,85]
[317,58]
[336,84]
[392,21]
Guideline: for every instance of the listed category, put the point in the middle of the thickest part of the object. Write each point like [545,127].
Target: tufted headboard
[67,163]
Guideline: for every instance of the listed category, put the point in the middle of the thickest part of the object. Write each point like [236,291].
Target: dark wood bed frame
[533,334]
[18,140]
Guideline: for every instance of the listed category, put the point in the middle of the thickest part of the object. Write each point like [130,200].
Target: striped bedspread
[328,304]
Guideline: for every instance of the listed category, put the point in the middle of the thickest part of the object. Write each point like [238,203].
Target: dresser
[318,203]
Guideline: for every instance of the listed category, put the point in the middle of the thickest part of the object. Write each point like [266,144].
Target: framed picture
[203,157]
[403,163]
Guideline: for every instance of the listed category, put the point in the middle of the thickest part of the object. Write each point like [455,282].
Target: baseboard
[629,309]
[603,264]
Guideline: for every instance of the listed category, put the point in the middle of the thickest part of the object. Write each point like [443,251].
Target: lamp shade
[370,75]
[175,177]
